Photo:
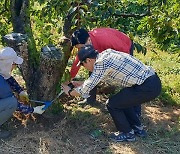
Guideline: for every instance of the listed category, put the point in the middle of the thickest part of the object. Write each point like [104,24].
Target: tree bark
[41,70]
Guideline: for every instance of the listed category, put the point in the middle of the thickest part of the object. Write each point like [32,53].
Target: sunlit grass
[168,68]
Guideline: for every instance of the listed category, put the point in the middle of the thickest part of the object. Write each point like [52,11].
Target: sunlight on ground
[121,149]
[152,112]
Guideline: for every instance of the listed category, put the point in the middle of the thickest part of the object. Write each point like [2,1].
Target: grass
[167,66]
[161,120]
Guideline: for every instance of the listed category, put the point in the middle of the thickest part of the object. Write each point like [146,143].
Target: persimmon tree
[51,22]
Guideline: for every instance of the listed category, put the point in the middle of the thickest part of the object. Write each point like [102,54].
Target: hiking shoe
[120,137]
[85,102]
[139,131]
[4,134]
[82,102]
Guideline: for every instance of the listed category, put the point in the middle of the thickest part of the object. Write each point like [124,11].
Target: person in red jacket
[101,39]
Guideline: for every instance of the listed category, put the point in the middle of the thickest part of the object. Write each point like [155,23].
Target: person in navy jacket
[9,86]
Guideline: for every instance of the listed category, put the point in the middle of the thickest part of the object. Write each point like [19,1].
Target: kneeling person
[8,85]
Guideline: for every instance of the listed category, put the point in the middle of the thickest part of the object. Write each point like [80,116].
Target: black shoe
[4,134]
[139,131]
[121,137]
[85,102]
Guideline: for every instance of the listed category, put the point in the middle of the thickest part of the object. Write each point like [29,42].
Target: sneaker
[4,134]
[85,102]
[139,131]
[138,115]
[120,137]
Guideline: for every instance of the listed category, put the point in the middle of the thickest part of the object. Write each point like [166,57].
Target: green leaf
[85,7]
[72,10]
[138,47]
[111,10]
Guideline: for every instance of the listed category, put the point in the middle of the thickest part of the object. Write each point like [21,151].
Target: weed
[167,67]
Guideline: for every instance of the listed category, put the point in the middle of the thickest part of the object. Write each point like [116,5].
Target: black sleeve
[14,85]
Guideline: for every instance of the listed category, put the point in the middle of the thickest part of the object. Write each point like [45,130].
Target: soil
[69,131]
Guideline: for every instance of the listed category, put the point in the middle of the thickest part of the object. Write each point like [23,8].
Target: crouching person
[140,84]
[8,85]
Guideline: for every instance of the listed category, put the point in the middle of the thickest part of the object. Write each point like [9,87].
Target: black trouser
[121,105]
[137,108]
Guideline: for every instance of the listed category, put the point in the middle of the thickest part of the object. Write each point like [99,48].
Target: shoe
[138,115]
[4,134]
[121,137]
[139,131]
[85,102]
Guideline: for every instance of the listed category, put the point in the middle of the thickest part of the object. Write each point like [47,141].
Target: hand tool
[49,103]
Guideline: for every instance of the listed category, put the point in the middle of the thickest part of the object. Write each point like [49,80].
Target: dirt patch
[69,132]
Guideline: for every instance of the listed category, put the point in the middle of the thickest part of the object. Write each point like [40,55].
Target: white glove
[39,109]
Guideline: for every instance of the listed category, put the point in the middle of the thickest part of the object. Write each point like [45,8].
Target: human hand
[23,96]
[39,109]
[66,89]
[77,83]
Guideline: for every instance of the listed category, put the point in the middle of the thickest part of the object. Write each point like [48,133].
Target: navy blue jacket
[5,89]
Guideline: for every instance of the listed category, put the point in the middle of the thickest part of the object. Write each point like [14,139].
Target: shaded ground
[69,132]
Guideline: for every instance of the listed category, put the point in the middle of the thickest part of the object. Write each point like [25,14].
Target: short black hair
[80,36]
[87,52]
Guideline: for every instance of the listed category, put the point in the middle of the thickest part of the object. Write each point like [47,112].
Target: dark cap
[86,52]
[80,36]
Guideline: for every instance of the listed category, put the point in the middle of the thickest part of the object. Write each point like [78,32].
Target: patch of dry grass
[69,133]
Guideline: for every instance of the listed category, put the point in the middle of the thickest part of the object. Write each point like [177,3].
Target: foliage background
[156,32]
[161,25]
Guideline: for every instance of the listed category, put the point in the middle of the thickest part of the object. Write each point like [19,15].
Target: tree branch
[147,13]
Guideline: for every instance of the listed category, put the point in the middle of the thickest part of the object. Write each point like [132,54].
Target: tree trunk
[41,70]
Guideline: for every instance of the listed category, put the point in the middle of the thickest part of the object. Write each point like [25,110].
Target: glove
[39,109]
[23,96]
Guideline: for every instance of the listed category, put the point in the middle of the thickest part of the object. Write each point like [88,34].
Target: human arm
[74,69]
[14,85]
[77,83]
[26,109]
[17,88]
[80,89]
[97,75]
[68,91]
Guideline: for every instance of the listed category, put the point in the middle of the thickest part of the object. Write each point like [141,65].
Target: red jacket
[102,39]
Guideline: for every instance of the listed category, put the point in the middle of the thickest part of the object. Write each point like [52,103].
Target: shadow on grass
[161,122]
[69,132]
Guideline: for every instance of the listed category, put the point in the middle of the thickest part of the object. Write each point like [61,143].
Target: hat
[86,52]
[80,36]
[8,54]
